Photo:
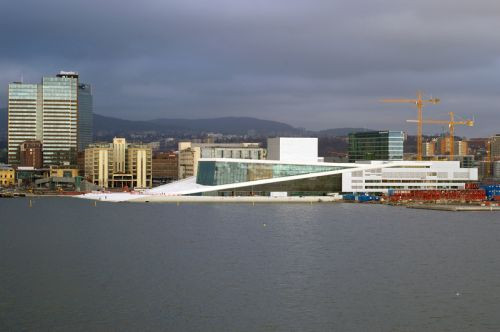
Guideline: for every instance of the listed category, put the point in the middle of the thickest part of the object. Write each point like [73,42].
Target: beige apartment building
[495,147]
[119,164]
[190,153]
[188,161]
[443,146]
[429,148]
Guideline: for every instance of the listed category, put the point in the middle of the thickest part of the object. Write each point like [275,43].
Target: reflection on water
[69,265]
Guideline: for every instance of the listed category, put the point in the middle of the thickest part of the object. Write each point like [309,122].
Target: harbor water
[68,264]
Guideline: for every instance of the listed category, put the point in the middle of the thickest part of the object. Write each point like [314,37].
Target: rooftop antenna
[22,77]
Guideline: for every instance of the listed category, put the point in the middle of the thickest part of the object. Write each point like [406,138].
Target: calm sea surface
[67,265]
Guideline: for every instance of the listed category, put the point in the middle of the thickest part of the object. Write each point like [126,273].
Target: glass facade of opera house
[214,173]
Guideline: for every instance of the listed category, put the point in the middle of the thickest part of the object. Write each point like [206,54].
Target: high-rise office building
[58,112]
[60,117]
[376,145]
[24,117]
[85,116]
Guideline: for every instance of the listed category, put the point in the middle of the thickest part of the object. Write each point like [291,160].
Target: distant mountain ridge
[105,125]
[110,126]
[223,125]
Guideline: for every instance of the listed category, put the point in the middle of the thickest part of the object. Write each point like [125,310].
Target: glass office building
[376,145]
[85,116]
[24,117]
[57,112]
[60,119]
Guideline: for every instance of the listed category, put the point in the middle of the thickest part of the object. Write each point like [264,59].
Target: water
[67,265]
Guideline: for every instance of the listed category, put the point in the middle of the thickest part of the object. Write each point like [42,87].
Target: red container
[472,186]
[467,195]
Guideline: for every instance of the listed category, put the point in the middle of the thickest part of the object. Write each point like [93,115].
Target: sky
[315,64]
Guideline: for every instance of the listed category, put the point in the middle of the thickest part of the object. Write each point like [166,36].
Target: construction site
[480,193]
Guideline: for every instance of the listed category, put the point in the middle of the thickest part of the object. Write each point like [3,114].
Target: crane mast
[451,125]
[419,102]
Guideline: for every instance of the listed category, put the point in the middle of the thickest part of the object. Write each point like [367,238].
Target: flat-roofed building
[24,117]
[495,147]
[139,165]
[165,167]
[188,162]
[190,153]
[58,112]
[85,116]
[30,153]
[63,171]
[461,148]
[60,119]
[496,170]
[132,167]
[429,148]
[424,175]
[99,165]
[444,147]
[293,149]
[7,176]
[27,175]
[376,145]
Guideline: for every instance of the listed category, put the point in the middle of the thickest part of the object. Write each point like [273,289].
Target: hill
[226,125]
[105,126]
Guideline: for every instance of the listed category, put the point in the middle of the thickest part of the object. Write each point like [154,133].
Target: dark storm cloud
[314,64]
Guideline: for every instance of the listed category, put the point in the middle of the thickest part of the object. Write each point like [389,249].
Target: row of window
[218,173]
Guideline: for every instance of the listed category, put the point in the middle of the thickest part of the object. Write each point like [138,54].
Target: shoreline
[236,199]
[265,200]
[455,208]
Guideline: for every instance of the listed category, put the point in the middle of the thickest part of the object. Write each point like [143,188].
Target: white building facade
[293,149]
[424,175]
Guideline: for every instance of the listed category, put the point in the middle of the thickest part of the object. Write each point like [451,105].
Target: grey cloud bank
[315,64]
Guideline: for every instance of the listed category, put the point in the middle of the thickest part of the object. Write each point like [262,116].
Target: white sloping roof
[189,186]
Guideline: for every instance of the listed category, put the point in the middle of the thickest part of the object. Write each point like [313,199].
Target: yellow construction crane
[451,125]
[488,158]
[419,102]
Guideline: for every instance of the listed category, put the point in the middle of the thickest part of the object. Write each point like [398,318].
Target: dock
[455,208]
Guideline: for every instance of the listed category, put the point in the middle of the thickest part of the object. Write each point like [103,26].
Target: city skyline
[318,65]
